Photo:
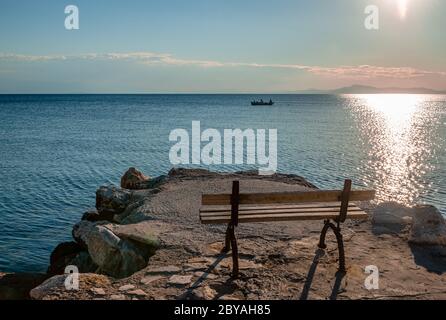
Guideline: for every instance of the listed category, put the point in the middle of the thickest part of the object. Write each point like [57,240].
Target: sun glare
[391,124]
[402,8]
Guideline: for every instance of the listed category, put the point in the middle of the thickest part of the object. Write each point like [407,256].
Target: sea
[56,150]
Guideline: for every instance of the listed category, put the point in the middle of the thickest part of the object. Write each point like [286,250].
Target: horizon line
[323,92]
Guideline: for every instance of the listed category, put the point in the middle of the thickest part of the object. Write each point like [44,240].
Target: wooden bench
[333,207]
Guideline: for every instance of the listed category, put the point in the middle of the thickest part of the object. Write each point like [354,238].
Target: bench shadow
[205,274]
[337,285]
[310,276]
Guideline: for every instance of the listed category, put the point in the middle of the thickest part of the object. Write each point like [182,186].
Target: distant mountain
[358,89]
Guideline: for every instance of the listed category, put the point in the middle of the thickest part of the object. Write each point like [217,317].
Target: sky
[219,46]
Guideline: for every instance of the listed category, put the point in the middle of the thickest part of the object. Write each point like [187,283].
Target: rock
[56,285]
[425,223]
[247,264]
[204,260]
[203,293]
[144,232]
[229,297]
[93,280]
[16,286]
[98,291]
[84,263]
[148,280]
[429,227]
[205,275]
[391,218]
[195,266]
[137,292]
[94,215]
[126,287]
[198,264]
[62,256]
[114,256]
[134,180]
[118,297]
[165,270]
[180,280]
[53,283]
[111,200]
[243,264]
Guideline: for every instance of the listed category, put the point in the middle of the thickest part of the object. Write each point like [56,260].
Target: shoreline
[152,226]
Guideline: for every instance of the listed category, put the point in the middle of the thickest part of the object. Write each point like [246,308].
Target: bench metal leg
[322,244]
[231,243]
[227,246]
[339,239]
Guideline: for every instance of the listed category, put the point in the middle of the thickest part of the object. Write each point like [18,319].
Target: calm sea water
[56,150]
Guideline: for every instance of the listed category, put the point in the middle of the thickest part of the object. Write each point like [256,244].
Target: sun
[402,8]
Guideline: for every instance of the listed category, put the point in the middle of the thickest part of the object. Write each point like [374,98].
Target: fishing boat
[262,103]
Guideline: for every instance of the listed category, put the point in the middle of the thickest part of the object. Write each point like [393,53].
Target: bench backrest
[235,199]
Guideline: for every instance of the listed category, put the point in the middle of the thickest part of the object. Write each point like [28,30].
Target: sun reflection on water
[394,133]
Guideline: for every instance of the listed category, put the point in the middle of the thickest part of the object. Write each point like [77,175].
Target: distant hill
[358,89]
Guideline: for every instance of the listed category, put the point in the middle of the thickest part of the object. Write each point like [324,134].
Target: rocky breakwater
[145,241]
[101,243]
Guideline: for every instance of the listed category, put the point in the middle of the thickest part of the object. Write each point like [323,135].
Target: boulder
[111,200]
[391,218]
[424,225]
[114,256]
[81,260]
[145,232]
[134,179]
[84,263]
[53,286]
[53,283]
[94,215]
[428,228]
[62,256]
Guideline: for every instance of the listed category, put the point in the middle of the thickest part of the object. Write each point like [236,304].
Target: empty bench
[331,206]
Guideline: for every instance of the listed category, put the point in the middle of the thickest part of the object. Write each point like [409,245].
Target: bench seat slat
[318,206]
[287,197]
[204,213]
[278,207]
[250,218]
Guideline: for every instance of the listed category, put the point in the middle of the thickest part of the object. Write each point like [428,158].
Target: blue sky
[219,46]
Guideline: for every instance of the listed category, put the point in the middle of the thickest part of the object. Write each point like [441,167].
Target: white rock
[98,291]
[126,287]
[180,280]
[204,293]
[429,227]
[390,218]
[149,279]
